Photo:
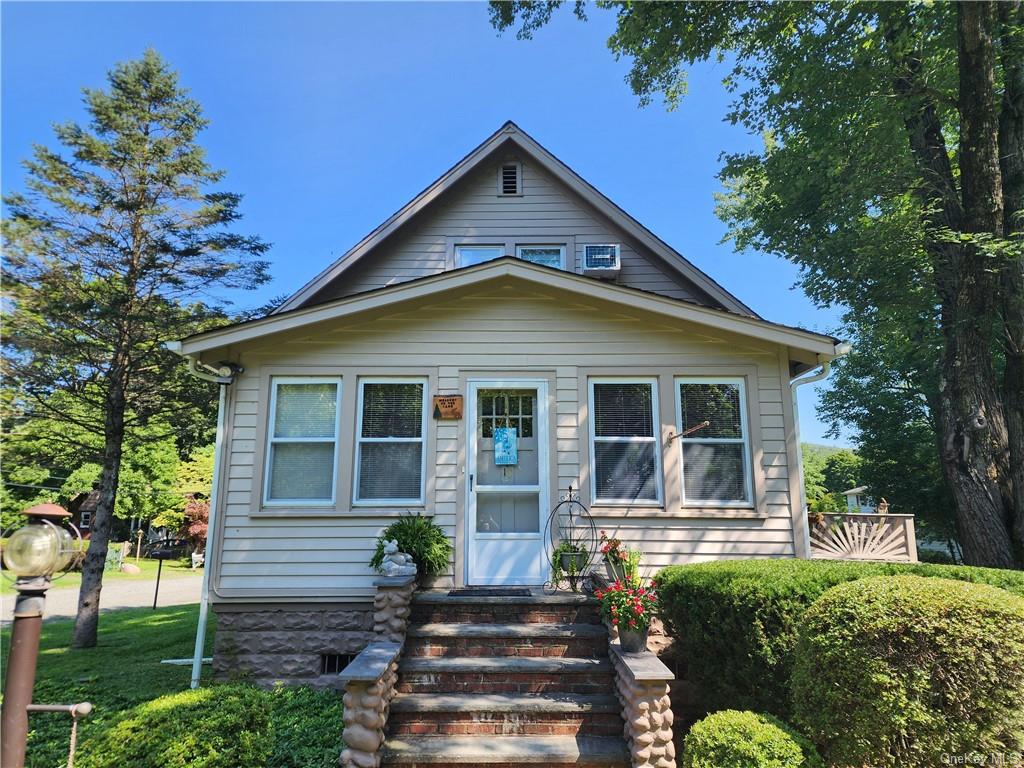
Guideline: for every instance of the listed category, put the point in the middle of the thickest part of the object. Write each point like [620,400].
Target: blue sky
[329,117]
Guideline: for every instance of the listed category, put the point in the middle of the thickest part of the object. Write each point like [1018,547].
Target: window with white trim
[302,440]
[390,437]
[625,453]
[546,255]
[468,255]
[711,415]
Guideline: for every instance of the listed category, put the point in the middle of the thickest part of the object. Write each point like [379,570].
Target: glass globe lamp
[40,548]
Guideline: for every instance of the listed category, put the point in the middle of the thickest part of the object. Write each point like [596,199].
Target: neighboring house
[512,283]
[858,500]
[83,510]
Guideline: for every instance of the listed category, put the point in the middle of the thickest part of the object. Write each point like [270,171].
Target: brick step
[450,751]
[505,715]
[441,608]
[510,674]
[466,639]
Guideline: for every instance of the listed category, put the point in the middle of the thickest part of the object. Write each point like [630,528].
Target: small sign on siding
[448,407]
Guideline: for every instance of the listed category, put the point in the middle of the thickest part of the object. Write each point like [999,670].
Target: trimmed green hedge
[735,621]
[223,726]
[900,671]
[734,739]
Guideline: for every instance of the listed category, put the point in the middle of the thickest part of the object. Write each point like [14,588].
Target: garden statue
[396,563]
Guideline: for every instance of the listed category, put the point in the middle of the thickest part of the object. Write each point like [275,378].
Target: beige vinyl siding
[491,331]
[546,213]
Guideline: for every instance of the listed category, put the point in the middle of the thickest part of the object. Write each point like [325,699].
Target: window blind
[624,448]
[302,443]
[391,435]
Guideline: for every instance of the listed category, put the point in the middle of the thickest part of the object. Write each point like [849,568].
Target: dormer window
[510,179]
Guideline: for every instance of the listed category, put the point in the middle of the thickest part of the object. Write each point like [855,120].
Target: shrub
[218,727]
[734,739]
[224,726]
[420,537]
[898,671]
[735,622]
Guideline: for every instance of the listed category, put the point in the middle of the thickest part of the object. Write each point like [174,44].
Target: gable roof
[544,278]
[510,133]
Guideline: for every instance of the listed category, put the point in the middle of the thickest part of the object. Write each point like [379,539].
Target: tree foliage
[115,247]
[892,173]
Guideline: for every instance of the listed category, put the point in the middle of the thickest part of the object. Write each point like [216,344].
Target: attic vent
[510,179]
[601,260]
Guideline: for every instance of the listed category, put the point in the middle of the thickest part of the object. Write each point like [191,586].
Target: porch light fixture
[33,553]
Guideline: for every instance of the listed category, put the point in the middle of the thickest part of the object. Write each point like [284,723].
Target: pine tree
[113,249]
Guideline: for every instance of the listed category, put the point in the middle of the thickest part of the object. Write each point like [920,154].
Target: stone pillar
[369,688]
[641,684]
[391,607]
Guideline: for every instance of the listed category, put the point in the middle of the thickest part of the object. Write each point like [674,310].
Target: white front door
[506,481]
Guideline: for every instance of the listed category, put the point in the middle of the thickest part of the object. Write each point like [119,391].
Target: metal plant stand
[570,523]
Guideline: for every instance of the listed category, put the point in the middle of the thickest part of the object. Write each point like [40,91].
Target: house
[858,501]
[511,283]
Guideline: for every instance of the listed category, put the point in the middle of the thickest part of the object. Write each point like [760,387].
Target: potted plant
[621,563]
[568,561]
[629,607]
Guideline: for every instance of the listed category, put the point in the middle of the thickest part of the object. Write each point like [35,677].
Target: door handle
[471,482]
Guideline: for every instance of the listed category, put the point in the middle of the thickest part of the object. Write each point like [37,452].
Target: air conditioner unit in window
[601,261]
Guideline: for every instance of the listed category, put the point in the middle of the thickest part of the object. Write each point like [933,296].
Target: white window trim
[744,440]
[652,381]
[459,248]
[422,439]
[560,246]
[271,441]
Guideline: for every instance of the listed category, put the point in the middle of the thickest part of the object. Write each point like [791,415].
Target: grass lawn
[145,716]
[123,670]
[172,569]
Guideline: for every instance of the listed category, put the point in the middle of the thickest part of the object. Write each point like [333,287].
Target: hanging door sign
[506,446]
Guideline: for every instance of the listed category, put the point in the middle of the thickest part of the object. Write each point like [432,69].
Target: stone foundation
[281,643]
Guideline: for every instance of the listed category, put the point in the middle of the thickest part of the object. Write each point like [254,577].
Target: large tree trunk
[1011,162]
[973,448]
[974,452]
[88,616]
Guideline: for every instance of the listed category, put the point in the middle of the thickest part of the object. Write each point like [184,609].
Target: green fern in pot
[420,537]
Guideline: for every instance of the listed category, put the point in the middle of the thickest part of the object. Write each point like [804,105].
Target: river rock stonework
[270,644]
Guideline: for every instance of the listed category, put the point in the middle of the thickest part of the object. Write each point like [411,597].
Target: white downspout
[211,526]
[224,375]
[826,368]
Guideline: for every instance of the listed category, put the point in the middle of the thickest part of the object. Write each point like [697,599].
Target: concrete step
[445,751]
[505,715]
[468,639]
[433,608]
[515,674]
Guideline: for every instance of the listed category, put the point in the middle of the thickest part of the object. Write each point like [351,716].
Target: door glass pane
[507,513]
[301,470]
[510,409]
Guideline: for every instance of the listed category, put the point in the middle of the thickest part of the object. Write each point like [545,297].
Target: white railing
[863,537]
